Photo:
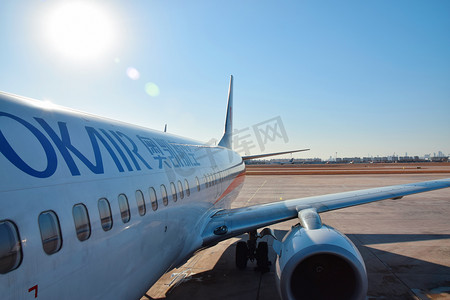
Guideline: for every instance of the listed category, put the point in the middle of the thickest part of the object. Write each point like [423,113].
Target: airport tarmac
[405,243]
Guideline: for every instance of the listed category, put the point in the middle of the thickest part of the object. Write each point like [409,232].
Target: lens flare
[152,89]
[133,73]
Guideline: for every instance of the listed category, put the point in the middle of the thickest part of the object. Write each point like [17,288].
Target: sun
[79,31]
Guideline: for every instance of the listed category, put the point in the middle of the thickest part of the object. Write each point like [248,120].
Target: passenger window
[104,209]
[198,184]
[164,195]
[186,186]
[10,247]
[124,208]
[81,220]
[140,202]
[153,198]
[180,189]
[174,192]
[206,181]
[50,232]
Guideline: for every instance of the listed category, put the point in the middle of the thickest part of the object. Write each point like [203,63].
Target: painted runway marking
[255,192]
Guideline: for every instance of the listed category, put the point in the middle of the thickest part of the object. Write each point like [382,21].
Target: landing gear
[241,255]
[252,250]
[262,257]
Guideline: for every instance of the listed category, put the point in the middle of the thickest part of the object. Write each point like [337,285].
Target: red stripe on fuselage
[237,181]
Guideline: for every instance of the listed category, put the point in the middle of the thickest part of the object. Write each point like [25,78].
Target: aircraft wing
[228,223]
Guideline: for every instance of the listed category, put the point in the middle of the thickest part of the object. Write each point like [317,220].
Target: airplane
[290,162]
[92,208]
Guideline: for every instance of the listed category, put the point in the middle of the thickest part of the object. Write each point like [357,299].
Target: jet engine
[316,261]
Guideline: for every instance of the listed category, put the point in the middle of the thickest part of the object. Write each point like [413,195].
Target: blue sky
[352,77]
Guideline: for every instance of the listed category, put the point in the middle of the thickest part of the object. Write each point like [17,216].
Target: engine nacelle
[320,264]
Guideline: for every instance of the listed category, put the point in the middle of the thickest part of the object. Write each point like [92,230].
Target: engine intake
[320,264]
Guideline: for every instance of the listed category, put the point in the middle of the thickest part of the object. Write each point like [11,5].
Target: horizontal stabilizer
[271,154]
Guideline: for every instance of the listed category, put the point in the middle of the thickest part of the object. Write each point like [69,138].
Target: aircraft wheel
[241,255]
[262,257]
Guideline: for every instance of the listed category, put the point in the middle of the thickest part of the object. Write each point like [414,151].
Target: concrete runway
[405,243]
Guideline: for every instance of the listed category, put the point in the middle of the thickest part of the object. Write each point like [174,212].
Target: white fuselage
[52,159]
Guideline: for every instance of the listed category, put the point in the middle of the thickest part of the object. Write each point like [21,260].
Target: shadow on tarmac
[391,275]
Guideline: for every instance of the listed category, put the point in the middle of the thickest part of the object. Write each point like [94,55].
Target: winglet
[225,141]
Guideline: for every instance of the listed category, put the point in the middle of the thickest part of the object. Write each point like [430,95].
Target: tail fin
[225,141]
